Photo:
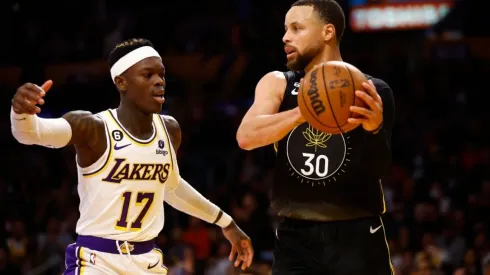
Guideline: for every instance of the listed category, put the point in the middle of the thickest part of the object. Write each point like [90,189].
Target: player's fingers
[19,109]
[31,95]
[32,88]
[47,85]
[241,255]
[362,111]
[356,120]
[368,99]
[248,249]
[369,89]
[250,255]
[238,261]
[372,90]
[232,253]
[244,265]
[27,105]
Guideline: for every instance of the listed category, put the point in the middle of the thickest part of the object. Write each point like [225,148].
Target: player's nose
[158,81]
[286,38]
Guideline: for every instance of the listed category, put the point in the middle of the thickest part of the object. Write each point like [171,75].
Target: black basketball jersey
[320,176]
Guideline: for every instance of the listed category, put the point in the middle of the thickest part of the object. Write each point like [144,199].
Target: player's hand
[241,246]
[28,96]
[372,116]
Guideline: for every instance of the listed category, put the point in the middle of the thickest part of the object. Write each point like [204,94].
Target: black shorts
[355,247]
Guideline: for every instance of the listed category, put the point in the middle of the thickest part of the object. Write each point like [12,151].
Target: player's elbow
[244,142]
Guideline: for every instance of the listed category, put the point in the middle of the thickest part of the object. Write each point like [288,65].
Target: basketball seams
[353,89]
[308,109]
[328,98]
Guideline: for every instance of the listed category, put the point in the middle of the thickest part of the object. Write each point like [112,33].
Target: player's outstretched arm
[183,197]
[78,127]
[262,125]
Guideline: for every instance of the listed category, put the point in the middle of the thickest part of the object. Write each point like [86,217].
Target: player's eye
[149,75]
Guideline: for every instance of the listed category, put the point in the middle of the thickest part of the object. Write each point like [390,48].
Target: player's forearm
[31,129]
[379,152]
[185,198]
[263,130]
[379,145]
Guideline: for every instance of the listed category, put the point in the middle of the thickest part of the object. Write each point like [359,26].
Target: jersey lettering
[123,170]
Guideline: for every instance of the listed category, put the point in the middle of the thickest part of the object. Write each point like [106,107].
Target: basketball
[326,94]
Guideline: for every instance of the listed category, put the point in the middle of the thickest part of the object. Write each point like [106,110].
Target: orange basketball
[326,94]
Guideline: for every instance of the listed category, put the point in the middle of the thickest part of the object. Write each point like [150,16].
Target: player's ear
[328,32]
[121,83]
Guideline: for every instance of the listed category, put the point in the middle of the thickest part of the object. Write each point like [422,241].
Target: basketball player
[127,167]
[327,188]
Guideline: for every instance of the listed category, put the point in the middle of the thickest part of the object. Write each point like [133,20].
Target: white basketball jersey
[122,193]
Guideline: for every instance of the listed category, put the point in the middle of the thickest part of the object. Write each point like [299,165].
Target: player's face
[146,84]
[304,38]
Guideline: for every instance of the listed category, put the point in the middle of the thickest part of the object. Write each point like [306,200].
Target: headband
[132,58]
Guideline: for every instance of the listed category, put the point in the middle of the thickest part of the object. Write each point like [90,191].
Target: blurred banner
[374,15]
[197,67]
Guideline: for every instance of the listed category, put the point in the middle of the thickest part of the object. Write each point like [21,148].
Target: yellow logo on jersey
[123,248]
[123,170]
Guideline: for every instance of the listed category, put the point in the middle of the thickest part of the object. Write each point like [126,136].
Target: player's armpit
[174,131]
[87,129]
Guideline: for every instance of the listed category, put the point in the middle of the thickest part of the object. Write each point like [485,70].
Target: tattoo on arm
[86,128]
[174,131]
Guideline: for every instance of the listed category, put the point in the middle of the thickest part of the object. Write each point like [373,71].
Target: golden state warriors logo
[316,157]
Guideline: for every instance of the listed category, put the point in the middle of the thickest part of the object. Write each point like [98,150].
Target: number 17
[122,223]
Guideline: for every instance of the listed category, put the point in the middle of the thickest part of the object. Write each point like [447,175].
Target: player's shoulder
[171,124]
[379,83]
[169,121]
[274,77]
[173,129]
[83,116]
[278,80]
[272,84]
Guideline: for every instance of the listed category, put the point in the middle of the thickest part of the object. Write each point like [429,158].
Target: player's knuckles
[26,103]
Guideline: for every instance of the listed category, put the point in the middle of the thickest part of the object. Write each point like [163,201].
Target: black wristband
[220,214]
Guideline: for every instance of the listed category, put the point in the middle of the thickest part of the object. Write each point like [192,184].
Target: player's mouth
[290,51]
[158,96]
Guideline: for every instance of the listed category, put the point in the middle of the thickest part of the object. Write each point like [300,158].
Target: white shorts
[102,259]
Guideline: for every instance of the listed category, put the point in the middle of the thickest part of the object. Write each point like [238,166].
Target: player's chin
[293,65]
[154,107]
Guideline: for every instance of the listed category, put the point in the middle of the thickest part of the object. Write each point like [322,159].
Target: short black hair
[126,47]
[329,11]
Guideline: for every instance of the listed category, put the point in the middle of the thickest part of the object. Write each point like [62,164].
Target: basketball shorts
[355,247]
[97,256]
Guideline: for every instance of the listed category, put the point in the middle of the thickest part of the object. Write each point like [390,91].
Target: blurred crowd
[437,193]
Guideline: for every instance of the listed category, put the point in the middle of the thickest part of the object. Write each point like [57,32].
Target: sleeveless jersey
[320,176]
[122,193]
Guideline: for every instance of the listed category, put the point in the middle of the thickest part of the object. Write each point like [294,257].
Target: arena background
[438,190]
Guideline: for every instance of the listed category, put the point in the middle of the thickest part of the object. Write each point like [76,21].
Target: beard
[302,60]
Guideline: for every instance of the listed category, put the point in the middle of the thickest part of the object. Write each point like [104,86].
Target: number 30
[320,168]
